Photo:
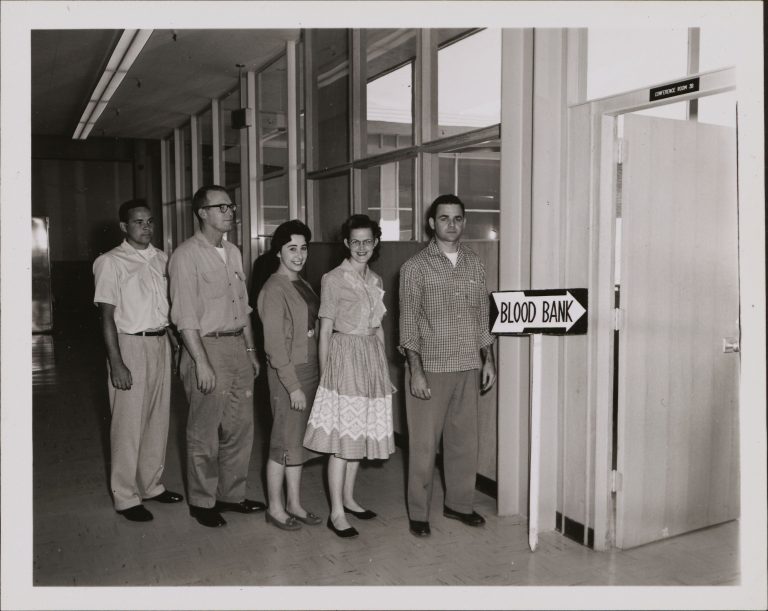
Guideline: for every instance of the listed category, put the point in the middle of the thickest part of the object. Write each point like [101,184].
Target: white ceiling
[177,74]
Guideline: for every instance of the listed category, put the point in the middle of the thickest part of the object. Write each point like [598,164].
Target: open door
[678,365]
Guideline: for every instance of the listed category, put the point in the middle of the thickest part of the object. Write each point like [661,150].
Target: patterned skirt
[352,413]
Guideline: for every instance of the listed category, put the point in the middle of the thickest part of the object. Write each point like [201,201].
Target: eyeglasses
[357,243]
[222,207]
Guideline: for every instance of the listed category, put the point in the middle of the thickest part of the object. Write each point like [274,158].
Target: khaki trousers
[220,424]
[139,428]
[451,413]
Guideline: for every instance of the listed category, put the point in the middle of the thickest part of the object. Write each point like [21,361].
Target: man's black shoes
[244,506]
[137,513]
[207,516]
[419,529]
[167,497]
[470,519]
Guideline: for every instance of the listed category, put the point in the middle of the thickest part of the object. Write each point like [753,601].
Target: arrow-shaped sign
[554,312]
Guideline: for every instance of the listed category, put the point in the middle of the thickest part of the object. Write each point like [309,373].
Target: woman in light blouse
[288,309]
[351,417]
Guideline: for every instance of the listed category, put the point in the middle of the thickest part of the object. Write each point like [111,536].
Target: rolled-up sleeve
[272,310]
[184,298]
[411,288]
[105,279]
[484,337]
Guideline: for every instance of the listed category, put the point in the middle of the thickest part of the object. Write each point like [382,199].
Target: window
[331,207]
[389,91]
[389,193]
[469,83]
[230,159]
[473,174]
[273,143]
[330,79]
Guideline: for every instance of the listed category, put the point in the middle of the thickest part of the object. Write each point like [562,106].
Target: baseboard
[574,530]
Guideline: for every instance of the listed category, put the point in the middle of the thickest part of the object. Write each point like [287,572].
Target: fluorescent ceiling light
[127,50]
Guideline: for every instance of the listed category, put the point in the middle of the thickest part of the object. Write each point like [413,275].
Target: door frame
[603,113]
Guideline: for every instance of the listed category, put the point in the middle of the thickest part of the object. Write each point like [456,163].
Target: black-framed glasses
[222,207]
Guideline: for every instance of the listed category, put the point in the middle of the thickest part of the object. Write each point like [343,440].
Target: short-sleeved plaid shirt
[444,309]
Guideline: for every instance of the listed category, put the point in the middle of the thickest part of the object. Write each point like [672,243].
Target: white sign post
[537,312]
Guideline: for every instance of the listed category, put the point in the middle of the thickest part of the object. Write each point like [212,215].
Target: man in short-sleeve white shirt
[132,295]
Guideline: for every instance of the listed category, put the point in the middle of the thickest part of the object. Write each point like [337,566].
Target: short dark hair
[448,198]
[200,198]
[283,233]
[126,207]
[362,221]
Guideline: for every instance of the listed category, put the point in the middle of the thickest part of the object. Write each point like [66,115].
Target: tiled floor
[80,541]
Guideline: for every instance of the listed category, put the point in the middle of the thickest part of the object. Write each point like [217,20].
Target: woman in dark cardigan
[288,309]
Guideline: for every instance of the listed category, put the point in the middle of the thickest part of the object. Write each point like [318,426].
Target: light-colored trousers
[220,424]
[139,428]
[451,413]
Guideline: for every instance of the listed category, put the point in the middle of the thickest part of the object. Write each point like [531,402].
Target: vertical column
[196,149]
[249,171]
[514,263]
[292,61]
[357,115]
[216,140]
[310,135]
[694,43]
[165,188]
[425,110]
[178,174]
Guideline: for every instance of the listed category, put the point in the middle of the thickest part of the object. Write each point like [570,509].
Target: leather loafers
[418,528]
[470,519]
[167,497]
[207,516]
[366,514]
[137,513]
[345,533]
[289,524]
[244,506]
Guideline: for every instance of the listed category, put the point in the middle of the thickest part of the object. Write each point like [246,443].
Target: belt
[150,333]
[225,333]
[363,332]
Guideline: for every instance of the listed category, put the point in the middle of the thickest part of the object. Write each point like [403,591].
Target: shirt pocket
[474,293]
[213,285]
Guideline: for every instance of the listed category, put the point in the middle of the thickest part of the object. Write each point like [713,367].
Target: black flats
[345,533]
[366,514]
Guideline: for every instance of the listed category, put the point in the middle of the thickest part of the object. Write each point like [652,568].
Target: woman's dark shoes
[345,533]
[310,519]
[470,519]
[166,497]
[207,516]
[137,513]
[289,524]
[366,514]
[244,506]
[419,528]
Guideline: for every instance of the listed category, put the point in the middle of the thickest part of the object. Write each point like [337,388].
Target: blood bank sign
[551,312]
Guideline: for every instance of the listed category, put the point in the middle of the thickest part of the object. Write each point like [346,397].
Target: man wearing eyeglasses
[445,337]
[132,295]
[209,306]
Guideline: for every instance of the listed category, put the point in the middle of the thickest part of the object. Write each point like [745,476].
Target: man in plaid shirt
[444,334]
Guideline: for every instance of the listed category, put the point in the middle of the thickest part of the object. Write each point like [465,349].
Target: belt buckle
[311,333]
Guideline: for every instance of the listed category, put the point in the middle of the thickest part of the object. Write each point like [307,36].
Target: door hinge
[620,150]
[618,319]
[615,481]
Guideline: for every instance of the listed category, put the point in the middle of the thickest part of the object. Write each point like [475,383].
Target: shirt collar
[133,251]
[434,250]
[346,266]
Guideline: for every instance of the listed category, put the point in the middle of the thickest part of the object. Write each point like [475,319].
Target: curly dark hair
[363,221]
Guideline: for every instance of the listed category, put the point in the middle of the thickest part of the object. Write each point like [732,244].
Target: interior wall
[79,186]
[324,256]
